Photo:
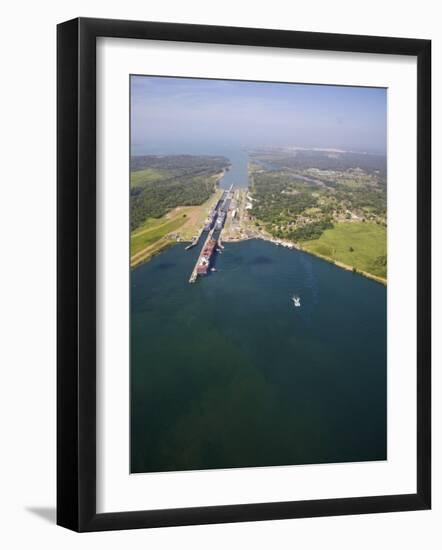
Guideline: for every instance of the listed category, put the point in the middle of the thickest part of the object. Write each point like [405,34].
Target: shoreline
[290,244]
[166,242]
[277,242]
[147,254]
[294,246]
[347,267]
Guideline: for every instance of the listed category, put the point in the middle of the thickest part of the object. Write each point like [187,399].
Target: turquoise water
[227,373]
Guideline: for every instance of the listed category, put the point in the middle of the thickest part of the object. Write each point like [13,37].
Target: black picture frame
[76,274]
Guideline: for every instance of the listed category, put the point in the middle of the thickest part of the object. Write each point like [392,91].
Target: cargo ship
[206,256]
[210,219]
[220,220]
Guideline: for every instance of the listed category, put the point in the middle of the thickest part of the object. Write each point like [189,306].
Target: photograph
[258,274]
[222,331]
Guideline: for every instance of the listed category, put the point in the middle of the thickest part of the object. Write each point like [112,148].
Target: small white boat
[296,301]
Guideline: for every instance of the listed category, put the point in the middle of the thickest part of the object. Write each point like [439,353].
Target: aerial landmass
[327,202]
[170,198]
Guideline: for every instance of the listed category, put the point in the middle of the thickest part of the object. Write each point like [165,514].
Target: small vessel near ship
[296,301]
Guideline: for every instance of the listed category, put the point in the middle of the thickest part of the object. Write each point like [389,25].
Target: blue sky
[176,112]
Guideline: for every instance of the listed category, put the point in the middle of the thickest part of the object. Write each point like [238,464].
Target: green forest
[301,204]
[326,203]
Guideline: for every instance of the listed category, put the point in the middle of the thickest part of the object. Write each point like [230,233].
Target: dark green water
[227,373]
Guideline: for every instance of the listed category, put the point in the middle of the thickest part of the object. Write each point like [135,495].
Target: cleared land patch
[145,237]
[359,245]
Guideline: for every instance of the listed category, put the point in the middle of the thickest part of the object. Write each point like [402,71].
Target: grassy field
[154,229]
[156,233]
[197,215]
[150,251]
[139,178]
[362,246]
